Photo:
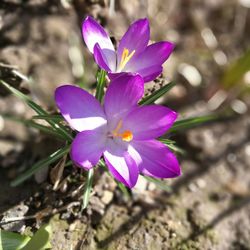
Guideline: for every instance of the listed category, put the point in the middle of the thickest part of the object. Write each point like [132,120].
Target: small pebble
[192,187]
[201,183]
[231,158]
[107,197]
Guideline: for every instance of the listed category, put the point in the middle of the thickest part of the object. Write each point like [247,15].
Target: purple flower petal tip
[80,109]
[156,160]
[94,33]
[100,57]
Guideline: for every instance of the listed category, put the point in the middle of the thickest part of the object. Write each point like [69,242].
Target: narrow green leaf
[12,241]
[87,189]
[171,144]
[236,71]
[56,118]
[40,164]
[123,188]
[68,163]
[191,122]
[101,81]
[33,124]
[39,110]
[40,240]
[159,183]
[157,94]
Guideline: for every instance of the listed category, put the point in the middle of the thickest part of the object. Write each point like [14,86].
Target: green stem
[100,85]
[87,188]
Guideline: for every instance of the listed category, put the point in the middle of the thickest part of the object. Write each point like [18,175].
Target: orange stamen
[127,135]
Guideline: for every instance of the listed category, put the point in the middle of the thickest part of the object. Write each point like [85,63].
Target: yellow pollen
[125,58]
[127,135]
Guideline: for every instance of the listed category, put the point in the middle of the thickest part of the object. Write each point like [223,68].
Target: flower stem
[87,189]
[99,95]
[100,85]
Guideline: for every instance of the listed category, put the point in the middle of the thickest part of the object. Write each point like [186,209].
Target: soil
[208,207]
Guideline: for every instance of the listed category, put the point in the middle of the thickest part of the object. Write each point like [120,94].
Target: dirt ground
[208,207]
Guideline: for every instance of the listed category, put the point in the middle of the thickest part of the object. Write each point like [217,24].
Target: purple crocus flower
[123,132]
[133,55]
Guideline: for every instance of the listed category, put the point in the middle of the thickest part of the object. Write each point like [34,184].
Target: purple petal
[94,33]
[112,76]
[154,54]
[122,94]
[149,122]
[156,159]
[121,165]
[149,74]
[80,109]
[100,58]
[136,38]
[87,148]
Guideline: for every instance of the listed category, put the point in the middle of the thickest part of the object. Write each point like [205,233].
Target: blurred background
[41,47]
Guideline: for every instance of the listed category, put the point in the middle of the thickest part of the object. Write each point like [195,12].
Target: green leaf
[191,122]
[40,164]
[12,241]
[101,81]
[171,144]
[123,188]
[87,189]
[159,183]
[157,94]
[40,240]
[56,118]
[236,71]
[33,124]
[39,110]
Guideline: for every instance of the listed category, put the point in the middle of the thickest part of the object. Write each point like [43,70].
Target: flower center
[126,56]
[126,135]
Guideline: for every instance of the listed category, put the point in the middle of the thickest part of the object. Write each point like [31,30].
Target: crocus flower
[133,54]
[120,130]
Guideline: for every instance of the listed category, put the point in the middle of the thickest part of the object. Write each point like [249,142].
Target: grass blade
[159,183]
[123,188]
[191,122]
[171,144]
[87,189]
[157,94]
[56,118]
[40,164]
[37,109]
[101,81]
